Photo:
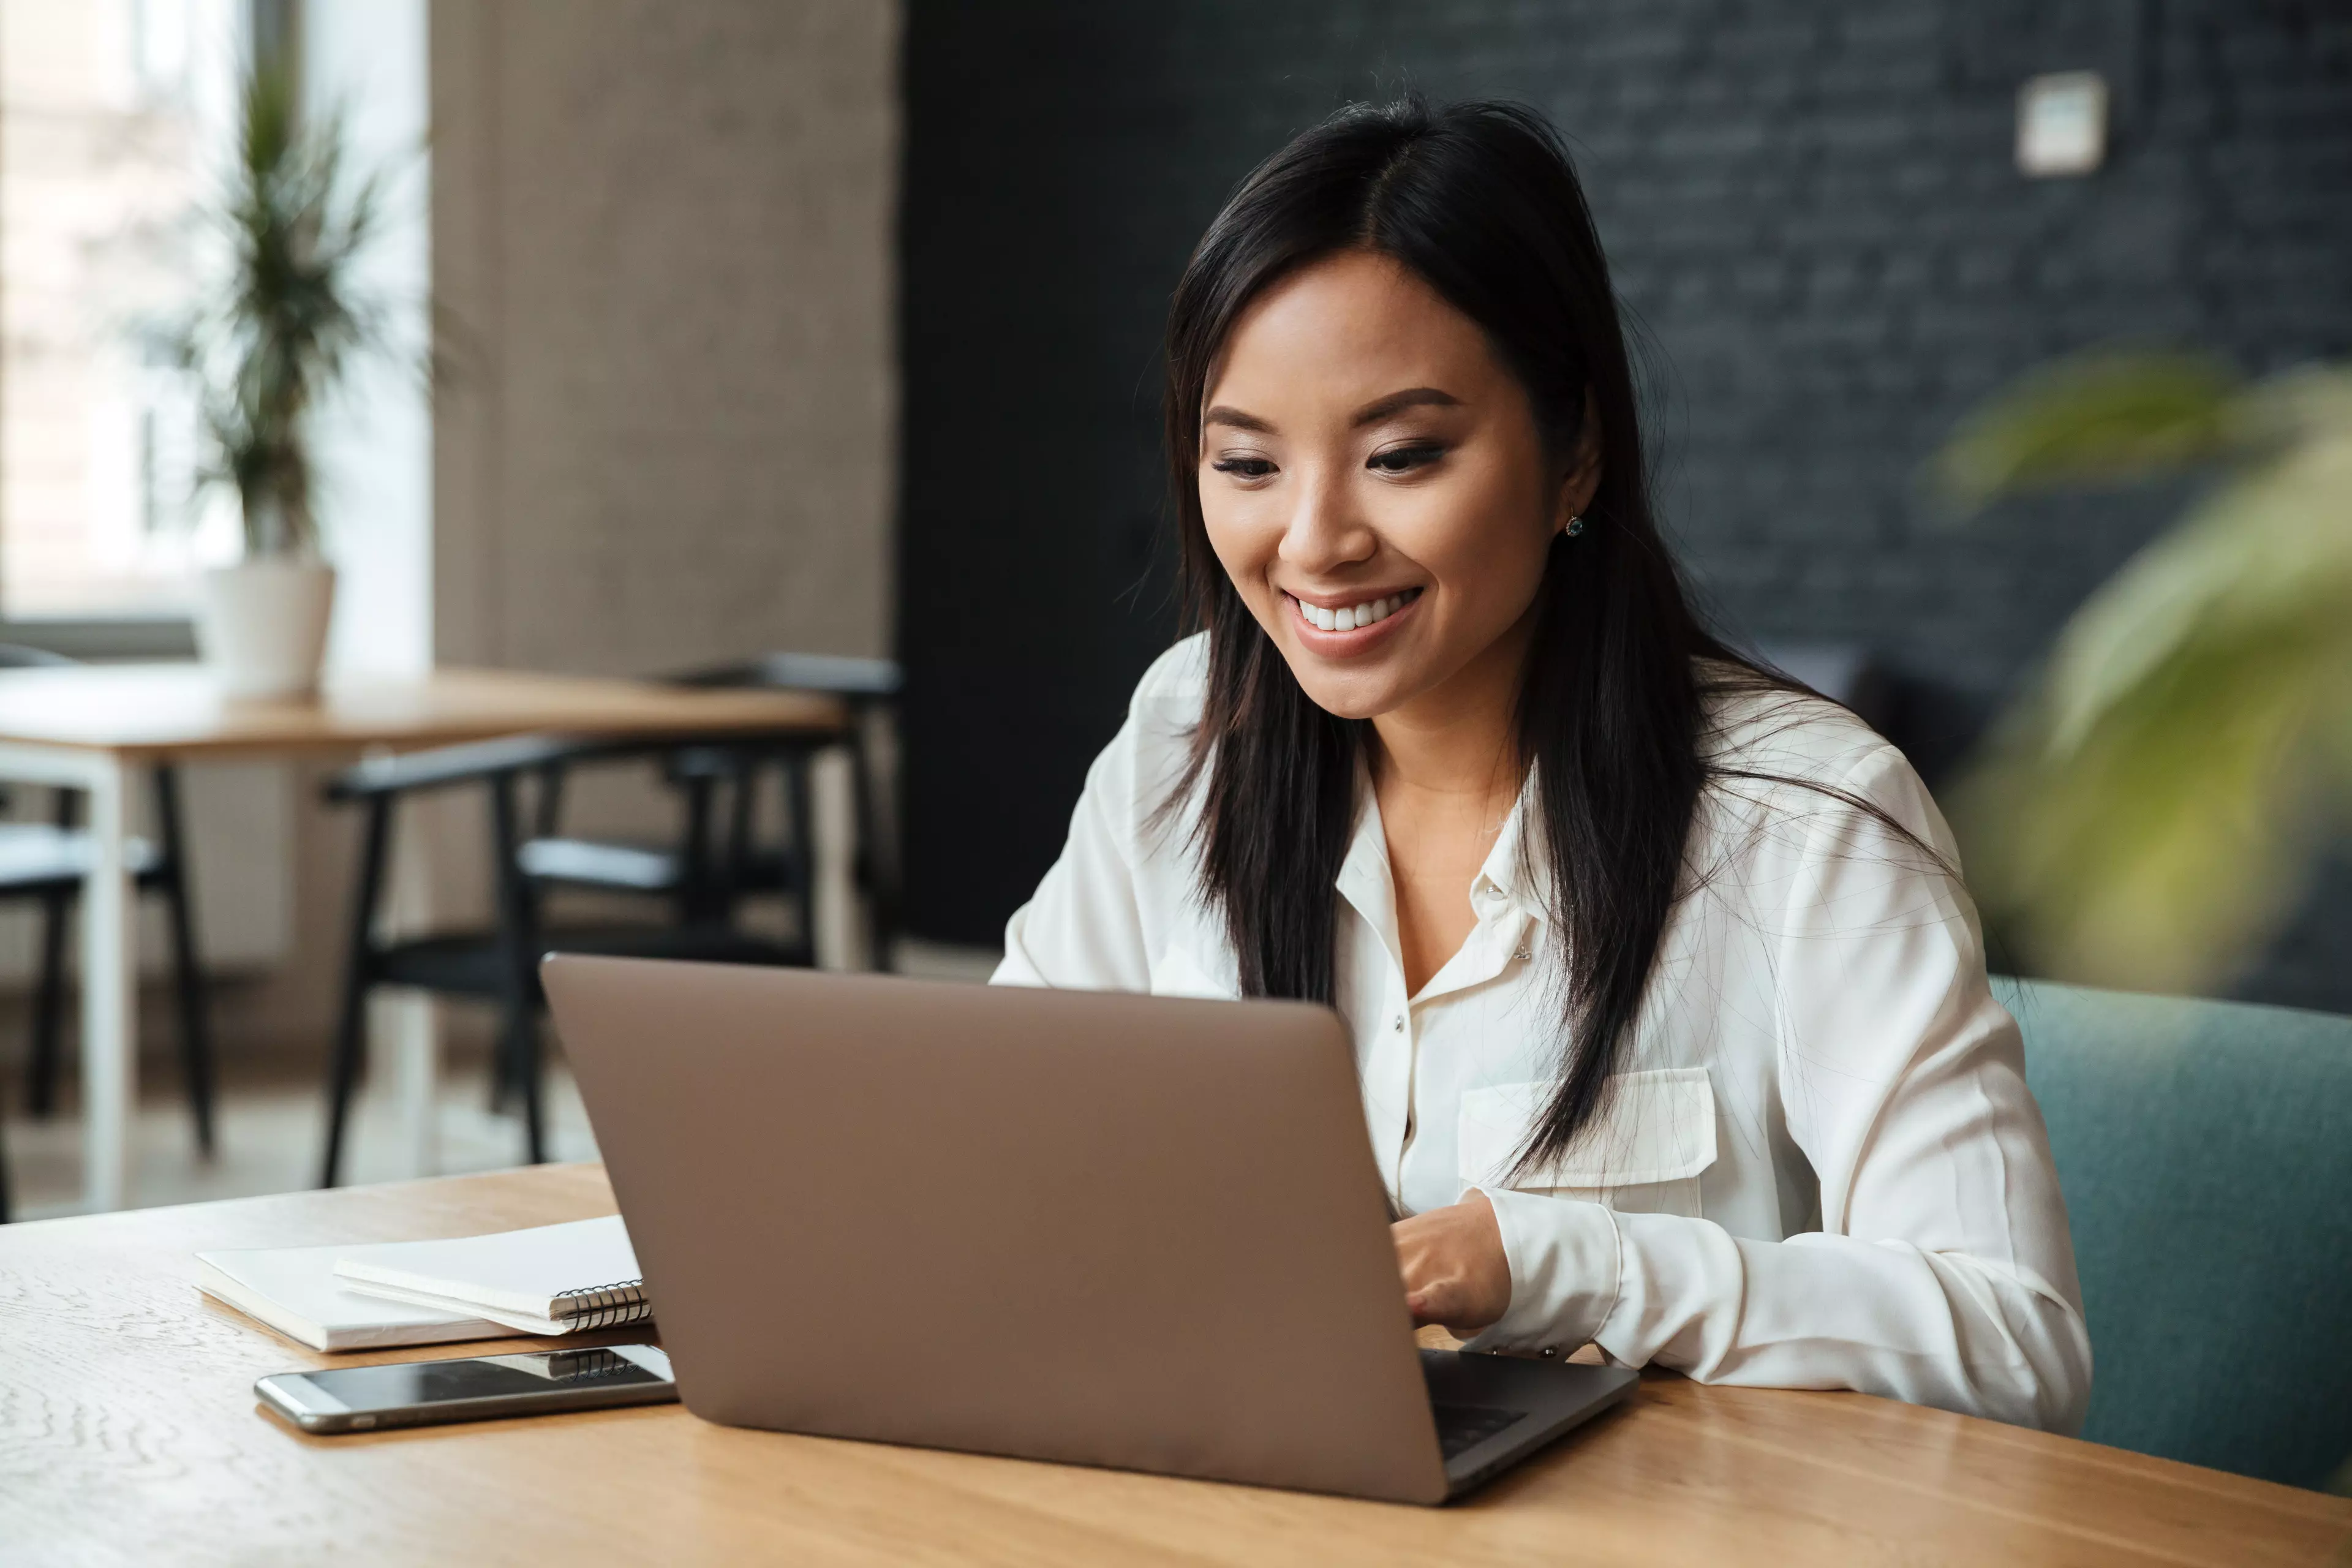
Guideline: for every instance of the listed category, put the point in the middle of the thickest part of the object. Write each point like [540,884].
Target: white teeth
[1349,618]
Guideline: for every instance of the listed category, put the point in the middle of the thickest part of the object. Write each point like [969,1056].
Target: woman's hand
[1454,1270]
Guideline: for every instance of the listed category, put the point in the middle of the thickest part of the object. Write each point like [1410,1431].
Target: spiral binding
[603,1306]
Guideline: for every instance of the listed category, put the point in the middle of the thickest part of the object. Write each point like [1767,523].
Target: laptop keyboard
[1461,1428]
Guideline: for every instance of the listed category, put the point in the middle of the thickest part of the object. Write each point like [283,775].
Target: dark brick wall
[1812,213]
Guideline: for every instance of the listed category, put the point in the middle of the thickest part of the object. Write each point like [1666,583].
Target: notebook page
[514,1271]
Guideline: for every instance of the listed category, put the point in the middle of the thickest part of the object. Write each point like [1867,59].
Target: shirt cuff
[1565,1266]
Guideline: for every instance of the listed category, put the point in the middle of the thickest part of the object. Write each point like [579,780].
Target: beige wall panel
[665,234]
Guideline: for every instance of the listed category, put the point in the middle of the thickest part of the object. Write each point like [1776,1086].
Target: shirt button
[1549,1352]
[1522,954]
[1399,1026]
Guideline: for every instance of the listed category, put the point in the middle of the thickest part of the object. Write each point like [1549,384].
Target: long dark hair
[1481,201]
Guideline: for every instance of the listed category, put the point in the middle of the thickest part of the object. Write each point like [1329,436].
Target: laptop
[1096,1228]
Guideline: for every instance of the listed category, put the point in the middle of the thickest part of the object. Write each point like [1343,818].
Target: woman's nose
[1324,530]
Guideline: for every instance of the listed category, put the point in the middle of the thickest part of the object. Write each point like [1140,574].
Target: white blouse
[1818,1165]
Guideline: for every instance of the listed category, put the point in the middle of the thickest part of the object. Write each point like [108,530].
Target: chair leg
[520,1046]
[48,1008]
[743,843]
[876,862]
[800,857]
[519,1039]
[41,1075]
[350,1030]
[187,970]
[700,873]
[513,1064]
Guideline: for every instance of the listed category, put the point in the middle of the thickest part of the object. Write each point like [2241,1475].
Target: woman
[1670,1013]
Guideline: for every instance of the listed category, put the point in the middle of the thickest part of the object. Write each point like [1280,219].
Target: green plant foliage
[2147,815]
[2097,417]
[289,319]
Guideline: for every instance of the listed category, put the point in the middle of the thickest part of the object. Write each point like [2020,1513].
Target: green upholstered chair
[2206,1153]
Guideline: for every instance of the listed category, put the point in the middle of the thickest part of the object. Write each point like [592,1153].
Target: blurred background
[1817,216]
[831,326]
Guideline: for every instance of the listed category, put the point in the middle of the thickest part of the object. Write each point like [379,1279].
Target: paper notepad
[554,1280]
[295,1290]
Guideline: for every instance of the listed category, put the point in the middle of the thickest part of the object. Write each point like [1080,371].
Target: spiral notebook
[551,1280]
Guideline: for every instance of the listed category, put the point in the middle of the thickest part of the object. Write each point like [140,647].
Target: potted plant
[285,322]
[2154,807]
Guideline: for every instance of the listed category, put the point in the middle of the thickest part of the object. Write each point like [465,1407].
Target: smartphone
[475,1388]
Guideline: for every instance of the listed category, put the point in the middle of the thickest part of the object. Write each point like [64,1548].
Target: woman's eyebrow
[1222,415]
[1395,403]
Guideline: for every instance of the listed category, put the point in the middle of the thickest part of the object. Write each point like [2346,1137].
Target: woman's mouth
[1345,618]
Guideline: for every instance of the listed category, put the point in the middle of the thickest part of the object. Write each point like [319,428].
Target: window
[113,116]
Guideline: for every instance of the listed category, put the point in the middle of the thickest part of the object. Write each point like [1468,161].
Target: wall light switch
[2061,124]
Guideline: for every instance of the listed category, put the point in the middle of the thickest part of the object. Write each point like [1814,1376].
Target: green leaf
[2150,813]
[2266,559]
[2098,417]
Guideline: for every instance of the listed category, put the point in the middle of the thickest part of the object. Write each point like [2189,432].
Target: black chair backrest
[869,686]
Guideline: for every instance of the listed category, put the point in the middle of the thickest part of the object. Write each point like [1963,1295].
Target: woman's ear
[1582,480]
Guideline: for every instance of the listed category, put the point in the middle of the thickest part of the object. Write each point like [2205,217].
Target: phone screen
[405,1384]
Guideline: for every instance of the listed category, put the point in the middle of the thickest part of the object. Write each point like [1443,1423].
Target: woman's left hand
[1454,1270]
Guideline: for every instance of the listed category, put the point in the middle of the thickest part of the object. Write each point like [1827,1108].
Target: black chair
[46,862]
[718,861]
[499,965]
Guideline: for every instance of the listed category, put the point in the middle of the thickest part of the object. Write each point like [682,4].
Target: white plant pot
[262,625]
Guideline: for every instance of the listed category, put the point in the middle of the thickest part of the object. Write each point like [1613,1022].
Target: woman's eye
[1244,467]
[1405,460]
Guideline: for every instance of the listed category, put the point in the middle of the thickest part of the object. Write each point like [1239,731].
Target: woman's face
[1374,483]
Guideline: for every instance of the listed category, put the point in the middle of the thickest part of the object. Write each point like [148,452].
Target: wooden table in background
[128,1433]
[94,727]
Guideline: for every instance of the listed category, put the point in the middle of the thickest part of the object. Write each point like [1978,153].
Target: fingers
[1424,1262]
[1433,1302]
[1452,1266]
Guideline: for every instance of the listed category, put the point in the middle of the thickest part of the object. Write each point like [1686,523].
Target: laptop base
[1494,1410]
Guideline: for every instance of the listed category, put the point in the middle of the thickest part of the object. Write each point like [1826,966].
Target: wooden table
[128,1433]
[95,727]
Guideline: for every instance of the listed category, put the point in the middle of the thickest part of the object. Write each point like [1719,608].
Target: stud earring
[1575,525]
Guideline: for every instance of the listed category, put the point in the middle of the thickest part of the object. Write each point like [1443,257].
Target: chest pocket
[1643,1155]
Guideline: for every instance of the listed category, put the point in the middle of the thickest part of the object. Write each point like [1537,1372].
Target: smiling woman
[1405,457]
[1670,1012]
